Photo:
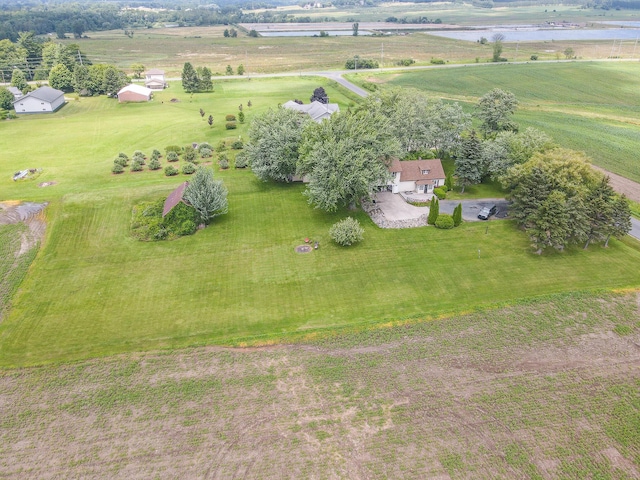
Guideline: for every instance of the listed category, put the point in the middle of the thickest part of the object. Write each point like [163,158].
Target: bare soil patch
[622,185]
[31,214]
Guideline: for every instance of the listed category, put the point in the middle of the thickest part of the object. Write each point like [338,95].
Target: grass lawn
[93,290]
[593,107]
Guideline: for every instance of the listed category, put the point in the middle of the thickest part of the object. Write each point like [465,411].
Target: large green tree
[274,139]
[468,162]
[495,109]
[620,219]
[346,157]
[204,79]
[113,81]
[190,80]
[550,196]
[207,195]
[19,80]
[6,99]
[61,78]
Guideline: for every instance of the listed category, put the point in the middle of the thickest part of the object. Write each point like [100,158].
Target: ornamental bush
[241,160]
[204,146]
[123,162]
[190,154]
[136,166]
[440,193]
[117,168]
[237,145]
[170,171]
[230,118]
[230,126]
[188,168]
[346,232]
[445,221]
[155,155]
[172,156]
[206,153]
[223,161]
[173,148]
[154,164]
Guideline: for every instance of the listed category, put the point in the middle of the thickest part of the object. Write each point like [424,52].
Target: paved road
[635,228]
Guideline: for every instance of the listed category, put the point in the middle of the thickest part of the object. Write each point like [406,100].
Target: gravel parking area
[471,208]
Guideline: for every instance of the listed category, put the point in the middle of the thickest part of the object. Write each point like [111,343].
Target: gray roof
[45,93]
[315,109]
[14,90]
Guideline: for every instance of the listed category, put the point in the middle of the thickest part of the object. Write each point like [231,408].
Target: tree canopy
[495,109]
[345,158]
[274,139]
[207,195]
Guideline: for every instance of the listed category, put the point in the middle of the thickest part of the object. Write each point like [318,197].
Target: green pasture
[589,106]
[93,290]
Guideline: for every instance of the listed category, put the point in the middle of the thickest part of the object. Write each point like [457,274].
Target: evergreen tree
[599,211]
[204,78]
[6,99]
[620,219]
[319,95]
[229,70]
[240,69]
[190,80]
[448,182]
[206,195]
[469,164]
[457,215]
[82,80]
[434,211]
[113,81]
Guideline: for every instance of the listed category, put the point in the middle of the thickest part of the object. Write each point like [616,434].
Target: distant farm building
[42,100]
[154,79]
[134,93]
[316,110]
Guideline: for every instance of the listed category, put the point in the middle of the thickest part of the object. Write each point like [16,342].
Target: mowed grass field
[587,106]
[546,390]
[94,291]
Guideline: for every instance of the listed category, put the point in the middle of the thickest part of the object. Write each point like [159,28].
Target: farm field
[547,389]
[586,106]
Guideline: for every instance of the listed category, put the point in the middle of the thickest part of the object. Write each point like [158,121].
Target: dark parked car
[486,212]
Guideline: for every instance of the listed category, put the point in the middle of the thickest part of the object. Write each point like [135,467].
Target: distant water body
[531,34]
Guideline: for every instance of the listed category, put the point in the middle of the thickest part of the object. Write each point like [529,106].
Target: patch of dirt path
[622,185]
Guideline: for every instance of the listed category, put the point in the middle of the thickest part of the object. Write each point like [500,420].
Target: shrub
[444,221]
[241,160]
[204,146]
[534,57]
[136,166]
[223,161]
[170,171]
[154,164]
[221,147]
[155,154]
[444,187]
[457,215]
[123,162]
[172,156]
[241,117]
[206,153]
[117,168]
[173,148]
[230,118]
[186,228]
[436,61]
[346,232]
[139,153]
[434,211]
[360,63]
[237,145]
[188,168]
[123,155]
[230,126]
[181,220]
[190,154]
[440,193]
[405,62]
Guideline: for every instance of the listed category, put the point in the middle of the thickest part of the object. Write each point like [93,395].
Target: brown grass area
[537,390]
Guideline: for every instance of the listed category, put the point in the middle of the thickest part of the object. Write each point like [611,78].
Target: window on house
[425,172]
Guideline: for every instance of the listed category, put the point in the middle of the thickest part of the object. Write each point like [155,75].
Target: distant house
[174,198]
[418,176]
[316,110]
[15,91]
[154,79]
[42,100]
[134,93]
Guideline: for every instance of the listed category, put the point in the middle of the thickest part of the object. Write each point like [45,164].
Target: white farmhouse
[42,100]
[154,79]
[418,176]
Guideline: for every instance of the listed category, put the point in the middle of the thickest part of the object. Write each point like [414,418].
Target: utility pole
[382,55]
[80,58]
[634,48]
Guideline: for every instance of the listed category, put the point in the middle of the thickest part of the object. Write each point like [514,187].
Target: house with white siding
[417,176]
[42,100]
[154,79]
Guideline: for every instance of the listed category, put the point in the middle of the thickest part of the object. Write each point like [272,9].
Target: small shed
[154,79]
[134,93]
[174,198]
[42,100]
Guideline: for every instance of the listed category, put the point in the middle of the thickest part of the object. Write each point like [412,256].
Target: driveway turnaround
[395,208]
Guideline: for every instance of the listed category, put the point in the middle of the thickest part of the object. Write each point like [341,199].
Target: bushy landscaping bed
[147,223]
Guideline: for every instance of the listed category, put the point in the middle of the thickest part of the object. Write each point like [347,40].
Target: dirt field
[622,185]
[546,390]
